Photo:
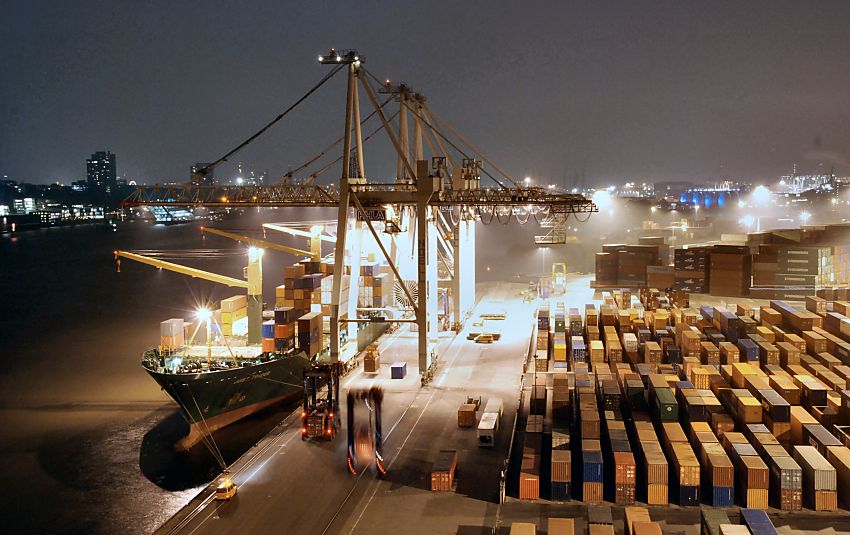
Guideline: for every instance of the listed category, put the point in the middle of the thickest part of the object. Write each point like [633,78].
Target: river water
[86,434]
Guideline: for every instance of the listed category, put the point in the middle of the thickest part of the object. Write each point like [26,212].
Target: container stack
[731,270]
[285,324]
[820,490]
[685,473]
[718,473]
[561,468]
[529,473]
[751,474]
[654,468]
[691,269]
[443,471]
[591,450]
[372,359]
[233,310]
[310,333]
[267,332]
[171,335]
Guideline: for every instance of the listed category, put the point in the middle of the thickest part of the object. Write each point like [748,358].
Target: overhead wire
[334,144]
[434,129]
[313,176]
[261,131]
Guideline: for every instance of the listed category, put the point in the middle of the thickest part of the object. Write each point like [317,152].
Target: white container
[487,428]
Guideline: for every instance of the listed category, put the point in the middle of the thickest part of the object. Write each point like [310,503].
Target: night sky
[611,91]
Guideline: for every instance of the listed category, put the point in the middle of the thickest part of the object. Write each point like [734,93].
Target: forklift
[365,443]
[320,417]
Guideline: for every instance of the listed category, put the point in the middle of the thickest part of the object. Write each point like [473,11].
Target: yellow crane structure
[315,252]
[253,283]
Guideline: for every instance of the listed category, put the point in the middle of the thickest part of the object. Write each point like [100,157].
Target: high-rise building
[202,180]
[100,170]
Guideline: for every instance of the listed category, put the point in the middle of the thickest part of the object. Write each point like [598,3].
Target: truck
[320,417]
[488,426]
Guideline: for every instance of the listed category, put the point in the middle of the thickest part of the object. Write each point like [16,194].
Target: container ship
[220,382]
[217,395]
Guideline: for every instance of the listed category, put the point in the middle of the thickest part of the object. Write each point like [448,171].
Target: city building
[100,170]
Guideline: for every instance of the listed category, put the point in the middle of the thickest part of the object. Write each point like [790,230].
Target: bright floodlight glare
[761,195]
[602,199]
[804,217]
[741,204]
[203,314]
[254,252]
[748,220]
[316,229]
[653,209]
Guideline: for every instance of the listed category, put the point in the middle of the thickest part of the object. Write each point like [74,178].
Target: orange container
[591,492]
[826,500]
[268,345]
[624,468]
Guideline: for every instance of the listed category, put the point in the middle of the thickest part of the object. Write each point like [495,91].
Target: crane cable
[313,176]
[213,165]
[442,136]
[471,145]
[332,145]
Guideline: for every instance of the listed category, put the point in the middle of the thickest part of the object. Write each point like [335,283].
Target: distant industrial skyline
[566,92]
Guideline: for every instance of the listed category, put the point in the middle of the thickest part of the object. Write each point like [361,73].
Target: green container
[666,405]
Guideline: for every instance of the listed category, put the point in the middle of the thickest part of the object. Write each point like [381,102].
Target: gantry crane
[423,192]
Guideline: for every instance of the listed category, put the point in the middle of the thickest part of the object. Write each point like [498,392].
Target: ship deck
[305,487]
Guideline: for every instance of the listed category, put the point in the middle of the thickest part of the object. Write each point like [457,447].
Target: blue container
[268,329]
[758,522]
[592,466]
[688,496]
[398,370]
[749,349]
[707,313]
[543,323]
[723,496]
[684,384]
[560,492]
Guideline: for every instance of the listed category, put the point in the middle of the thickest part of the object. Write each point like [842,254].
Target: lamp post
[205,315]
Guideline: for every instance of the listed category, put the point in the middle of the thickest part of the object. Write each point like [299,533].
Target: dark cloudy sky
[611,90]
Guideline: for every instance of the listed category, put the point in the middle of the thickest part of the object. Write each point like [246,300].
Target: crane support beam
[185,270]
[254,242]
[296,232]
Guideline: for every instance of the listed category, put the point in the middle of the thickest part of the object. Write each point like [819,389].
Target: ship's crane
[253,284]
[263,244]
[446,186]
